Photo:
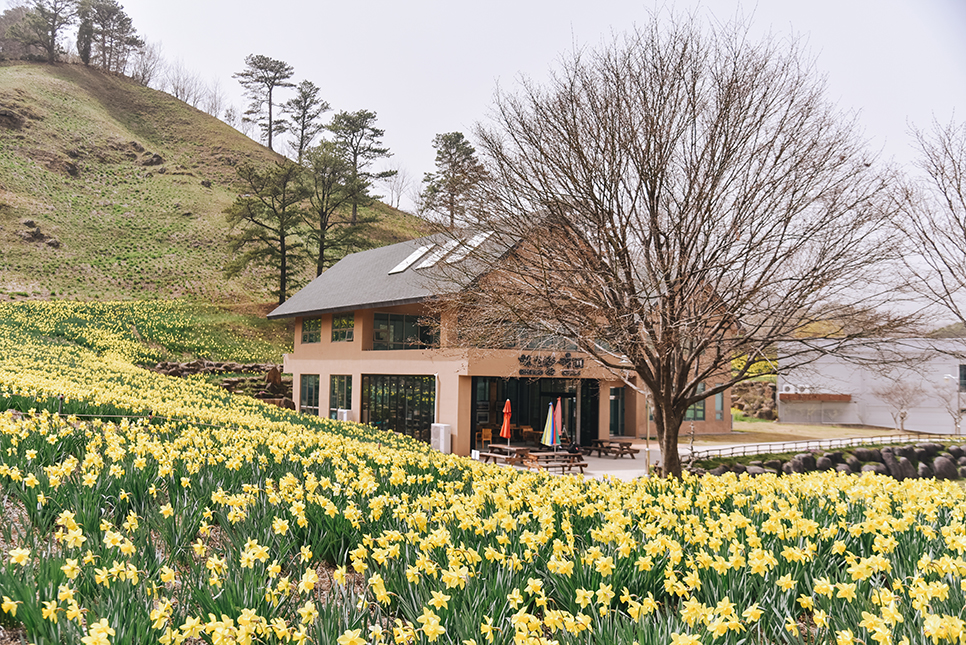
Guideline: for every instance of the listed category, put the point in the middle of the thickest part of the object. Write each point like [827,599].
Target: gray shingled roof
[362,281]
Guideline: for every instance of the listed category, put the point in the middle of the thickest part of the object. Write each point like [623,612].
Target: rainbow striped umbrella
[549,437]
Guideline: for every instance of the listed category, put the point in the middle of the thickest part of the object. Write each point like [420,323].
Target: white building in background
[915,384]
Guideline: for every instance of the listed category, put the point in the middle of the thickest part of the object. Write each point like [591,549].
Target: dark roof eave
[337,310]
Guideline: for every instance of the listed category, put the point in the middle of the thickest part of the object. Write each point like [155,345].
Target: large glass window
[719,406]
[340,394]
[962,378]
[309,394]
[342,327]
[404,404]
[399,331]
[311,330]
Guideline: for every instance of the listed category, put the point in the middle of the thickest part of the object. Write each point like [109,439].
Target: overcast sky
[427,67]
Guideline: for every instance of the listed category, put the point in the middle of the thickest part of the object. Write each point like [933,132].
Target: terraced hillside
[111,190]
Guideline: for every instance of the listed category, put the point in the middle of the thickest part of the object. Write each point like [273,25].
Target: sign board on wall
[550,365]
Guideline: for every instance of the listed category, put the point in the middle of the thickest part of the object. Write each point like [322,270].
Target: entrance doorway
[530,401]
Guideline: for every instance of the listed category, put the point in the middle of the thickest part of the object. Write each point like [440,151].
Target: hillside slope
[113,190]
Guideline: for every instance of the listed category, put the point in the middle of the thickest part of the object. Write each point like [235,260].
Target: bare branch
[678,199]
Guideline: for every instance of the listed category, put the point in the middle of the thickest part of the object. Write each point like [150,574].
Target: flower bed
[222,519]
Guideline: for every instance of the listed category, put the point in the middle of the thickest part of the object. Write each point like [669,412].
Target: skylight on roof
[467,248]
[438,254]
[410,259]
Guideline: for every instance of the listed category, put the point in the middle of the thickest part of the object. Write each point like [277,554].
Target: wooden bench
[563,460]
[564,466]
[615,449]
[504,458]
[601,447]
[625,449]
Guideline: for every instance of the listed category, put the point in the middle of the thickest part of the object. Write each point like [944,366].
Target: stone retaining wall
[912,461]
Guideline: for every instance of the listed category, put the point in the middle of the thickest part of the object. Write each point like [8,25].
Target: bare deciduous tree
[183,84]
[935,221]
[949,391]
[214,98]
[900,394]
[398,184]
[147,65]
[233,117]
[677,199]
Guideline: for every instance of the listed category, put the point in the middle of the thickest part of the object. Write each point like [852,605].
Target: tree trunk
[51,47]
[355,185]
[320,263]
[668,429]
[282,270]
[270,124]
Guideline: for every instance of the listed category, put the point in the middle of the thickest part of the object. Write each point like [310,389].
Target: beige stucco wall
[454,368]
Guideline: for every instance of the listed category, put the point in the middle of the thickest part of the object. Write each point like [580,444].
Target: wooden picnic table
[615,448]
[531,435]
[504,454]
[554,455]
[565,461]
[507,449]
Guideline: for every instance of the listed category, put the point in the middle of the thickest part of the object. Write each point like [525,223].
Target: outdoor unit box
[343,415]
[440,435]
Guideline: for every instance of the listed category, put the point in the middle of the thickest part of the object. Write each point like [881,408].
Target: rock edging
[912,461]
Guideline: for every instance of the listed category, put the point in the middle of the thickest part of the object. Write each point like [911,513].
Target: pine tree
[260,78]
[43,25]
[360,141]
[451,190]
[303,112]
[265,219]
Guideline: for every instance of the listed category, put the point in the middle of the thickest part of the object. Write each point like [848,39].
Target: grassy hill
[111,190]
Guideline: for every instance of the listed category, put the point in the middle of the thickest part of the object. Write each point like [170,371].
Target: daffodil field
[206,517]
[141,331]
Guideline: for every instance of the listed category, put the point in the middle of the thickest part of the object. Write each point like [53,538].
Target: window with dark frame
[342,327]
[311,330]
[309,394]
[401,403]
[401,331]
[693,413]
[696,411]
[340,394]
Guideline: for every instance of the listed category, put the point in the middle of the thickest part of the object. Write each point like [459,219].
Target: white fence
[817,444]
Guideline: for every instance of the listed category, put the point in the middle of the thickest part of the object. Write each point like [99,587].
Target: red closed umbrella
[505,430]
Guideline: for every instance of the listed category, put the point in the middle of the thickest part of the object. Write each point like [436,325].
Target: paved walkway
[628,469]
[622,467]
